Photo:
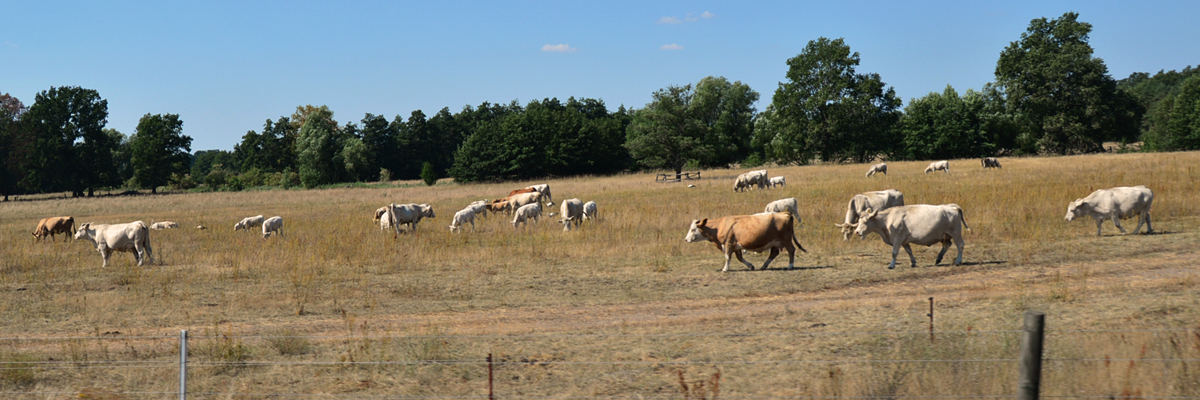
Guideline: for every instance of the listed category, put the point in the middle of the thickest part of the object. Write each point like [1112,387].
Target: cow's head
[864,222]
[695,234]
[1073,209]
[82,231]
[847,230]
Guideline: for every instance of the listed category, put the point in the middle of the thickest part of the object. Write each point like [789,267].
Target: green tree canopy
[317,146]
[158,149]
[1180,116]
[940,126]
[1064,97]
[667,133]
[69,149]
[827,110]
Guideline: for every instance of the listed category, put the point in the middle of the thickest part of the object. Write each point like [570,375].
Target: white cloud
[558,48]
[669,20]
[671,46]
[11,45]
[707,15]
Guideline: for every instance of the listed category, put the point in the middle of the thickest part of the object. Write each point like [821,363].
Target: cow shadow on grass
[784,269]
[1143,233]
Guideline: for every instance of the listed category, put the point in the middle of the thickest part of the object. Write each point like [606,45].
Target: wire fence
[1082,364]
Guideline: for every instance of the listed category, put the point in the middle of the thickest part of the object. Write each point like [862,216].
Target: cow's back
[755,231]
[1121,200]
[923,224]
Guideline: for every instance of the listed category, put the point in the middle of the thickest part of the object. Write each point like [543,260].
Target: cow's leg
[472,225]
[945,246]
[1148,228]
[727,257]
[738,253]
[1099,221]
[791,256]
[908,249]
[1117,221]
[958,242]
[774,253]
[895,251]
[105,253]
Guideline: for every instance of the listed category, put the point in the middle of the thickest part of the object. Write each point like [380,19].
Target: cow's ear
[702,222]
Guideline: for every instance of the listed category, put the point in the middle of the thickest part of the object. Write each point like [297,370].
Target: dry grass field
[621,307]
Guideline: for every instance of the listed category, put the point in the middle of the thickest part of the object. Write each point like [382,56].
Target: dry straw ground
[619,307]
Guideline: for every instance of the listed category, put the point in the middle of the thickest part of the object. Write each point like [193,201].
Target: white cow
[272,225]
[479,207]
[589,211]
[921,224]
[990,162]
[248,222]
[133,237]
[776,181]
[938,166]
[758,178]
[741,183]
[462,217]
[410,214]
[860,203]
[526,213]
[572,213]
[881,167]
[163,225]
[544,189]
[1115,204]
[788,205]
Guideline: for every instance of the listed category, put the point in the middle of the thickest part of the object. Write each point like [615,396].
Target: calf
[938,166]
[572,213]
[881,167]
[273,225]
[248,222]
[589,211]
[527,212]
[463,216]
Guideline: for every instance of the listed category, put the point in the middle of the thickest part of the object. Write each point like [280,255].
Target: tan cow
[921,224]
[757,233]
[862,202]
[133,237]
[248,222]
[52,226]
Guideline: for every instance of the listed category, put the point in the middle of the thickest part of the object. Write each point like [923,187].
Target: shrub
[181,182]
[385,175]
[216,178]
[429,174]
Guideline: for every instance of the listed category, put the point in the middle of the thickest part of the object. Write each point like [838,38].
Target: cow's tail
[963,217]
[797,241]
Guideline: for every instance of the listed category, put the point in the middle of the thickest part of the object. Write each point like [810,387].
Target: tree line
[1051,96]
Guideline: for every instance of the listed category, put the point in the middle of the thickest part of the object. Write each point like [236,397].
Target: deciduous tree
[158,149]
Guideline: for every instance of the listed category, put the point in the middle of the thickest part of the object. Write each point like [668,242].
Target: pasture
[652,312]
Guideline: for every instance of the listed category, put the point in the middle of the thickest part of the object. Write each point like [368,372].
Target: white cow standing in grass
[572,213]
[921,224]
[861,203]
[776,181]
[527,212]
[938,166]
[273,225]
[589,211]
[133,237]
[881,167]
[248,222]
[466,215]
[788,205]
[1115,204]
[544,189]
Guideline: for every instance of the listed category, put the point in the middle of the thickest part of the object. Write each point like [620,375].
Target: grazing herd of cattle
[881,212]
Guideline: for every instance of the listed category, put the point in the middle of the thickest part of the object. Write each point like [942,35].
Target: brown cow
[52,226]
[519,191]
[757,233]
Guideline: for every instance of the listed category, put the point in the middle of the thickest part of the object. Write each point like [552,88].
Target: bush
[216,178]
[235,183]
[429,174]
[255,177]
[385,175]
[181,182]
[753,160]
[288,179]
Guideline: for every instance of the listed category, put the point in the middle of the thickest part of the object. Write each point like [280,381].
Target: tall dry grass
[629,273]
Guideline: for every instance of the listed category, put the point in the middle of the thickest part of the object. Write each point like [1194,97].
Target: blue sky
[225,67]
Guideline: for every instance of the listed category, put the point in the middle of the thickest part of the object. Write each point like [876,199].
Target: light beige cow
[133,237]
[1115,204]
[862,202]
[881,168]
[920,224]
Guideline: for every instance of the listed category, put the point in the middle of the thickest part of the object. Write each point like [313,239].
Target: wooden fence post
[183,354]
[1029,381]
[491,395]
